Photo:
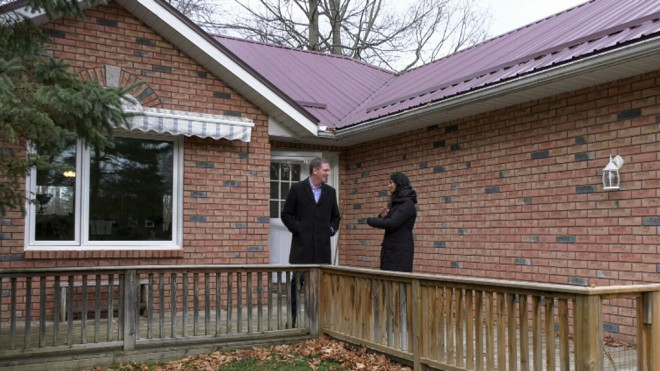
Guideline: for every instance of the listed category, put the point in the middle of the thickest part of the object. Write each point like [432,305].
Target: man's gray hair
[317,163]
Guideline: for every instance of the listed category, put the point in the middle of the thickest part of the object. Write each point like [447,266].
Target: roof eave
[207,51]
[612,65]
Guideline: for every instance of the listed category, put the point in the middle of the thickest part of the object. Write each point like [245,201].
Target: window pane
[295,172]
[131,189]
[274,194]
[285,190]
[274,171]
[274,209]
[56,195]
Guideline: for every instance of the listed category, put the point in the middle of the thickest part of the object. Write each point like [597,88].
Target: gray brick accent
[221,95]
[540,154]
[162,69]
[141,41]
[565,239]
[231,183]
[651,221]
[611,328]
[578,281]
[205,164]
[582,190]
[582,157]
[630,114]
[491,190]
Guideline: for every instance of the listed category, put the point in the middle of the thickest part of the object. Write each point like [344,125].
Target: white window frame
[81,230]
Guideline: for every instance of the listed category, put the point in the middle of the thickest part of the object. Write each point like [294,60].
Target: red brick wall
[226,219]
[517,193]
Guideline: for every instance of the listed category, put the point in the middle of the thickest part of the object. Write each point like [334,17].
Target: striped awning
[189,123]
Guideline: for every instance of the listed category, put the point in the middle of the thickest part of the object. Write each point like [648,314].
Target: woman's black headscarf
[403,188]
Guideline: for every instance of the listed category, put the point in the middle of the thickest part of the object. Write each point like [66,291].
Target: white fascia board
[608,59]
[213,52]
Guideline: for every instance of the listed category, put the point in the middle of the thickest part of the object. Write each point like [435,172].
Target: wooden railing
[123,314]
[454,323]
[110,315]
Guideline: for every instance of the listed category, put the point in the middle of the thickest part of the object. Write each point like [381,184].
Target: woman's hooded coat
[398,248]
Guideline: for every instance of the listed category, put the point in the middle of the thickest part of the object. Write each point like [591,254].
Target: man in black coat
[311,214]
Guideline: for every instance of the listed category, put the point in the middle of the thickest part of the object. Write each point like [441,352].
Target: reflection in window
[55,194]
[130,188]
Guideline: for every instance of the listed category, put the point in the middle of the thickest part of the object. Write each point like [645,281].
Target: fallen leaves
[316,350]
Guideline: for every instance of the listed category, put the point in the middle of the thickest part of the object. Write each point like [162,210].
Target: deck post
[417,313]
[588,333]
[130,309]
[648,357]
[313,307]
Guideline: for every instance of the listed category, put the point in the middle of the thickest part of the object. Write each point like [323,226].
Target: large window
[123,197]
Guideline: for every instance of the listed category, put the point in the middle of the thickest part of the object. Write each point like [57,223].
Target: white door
[283,173]
[287,168]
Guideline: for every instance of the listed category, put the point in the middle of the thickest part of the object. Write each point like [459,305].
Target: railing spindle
[230,293]
[97,308]
[42,311]
[83,315]
[111,309]
[195,303]
[549,333]
[184,298]
[207,303]
[511,335]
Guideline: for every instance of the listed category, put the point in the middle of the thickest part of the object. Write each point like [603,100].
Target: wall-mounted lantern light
[611,178]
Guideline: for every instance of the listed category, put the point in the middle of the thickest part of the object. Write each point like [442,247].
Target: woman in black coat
[398,221]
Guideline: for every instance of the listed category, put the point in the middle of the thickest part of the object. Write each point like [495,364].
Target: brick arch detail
[143,93]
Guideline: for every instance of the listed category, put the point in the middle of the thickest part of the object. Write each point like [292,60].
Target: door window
[282,175]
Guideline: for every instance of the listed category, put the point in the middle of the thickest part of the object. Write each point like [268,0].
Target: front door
[283,173]
[286,168]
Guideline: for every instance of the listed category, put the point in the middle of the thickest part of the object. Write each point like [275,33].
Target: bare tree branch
[381,32]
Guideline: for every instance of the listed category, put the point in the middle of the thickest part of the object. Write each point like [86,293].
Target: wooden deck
[426,321]
[617,358]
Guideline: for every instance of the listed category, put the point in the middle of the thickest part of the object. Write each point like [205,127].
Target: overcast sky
[511,14]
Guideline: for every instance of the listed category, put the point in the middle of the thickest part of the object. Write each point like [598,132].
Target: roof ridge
[319,53]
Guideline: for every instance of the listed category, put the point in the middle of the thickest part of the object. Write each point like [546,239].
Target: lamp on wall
[611,178]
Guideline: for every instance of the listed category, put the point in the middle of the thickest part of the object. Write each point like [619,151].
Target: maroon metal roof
[328,86]
[342,92]
[572,34]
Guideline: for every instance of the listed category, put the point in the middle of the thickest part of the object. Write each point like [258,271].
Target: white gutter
[612,58]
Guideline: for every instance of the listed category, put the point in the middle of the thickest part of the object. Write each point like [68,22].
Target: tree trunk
[313,25]
[335,23]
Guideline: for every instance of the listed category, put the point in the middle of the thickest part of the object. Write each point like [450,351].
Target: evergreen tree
[43,103]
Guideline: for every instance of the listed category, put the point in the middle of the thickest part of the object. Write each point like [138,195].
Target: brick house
[505,143]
